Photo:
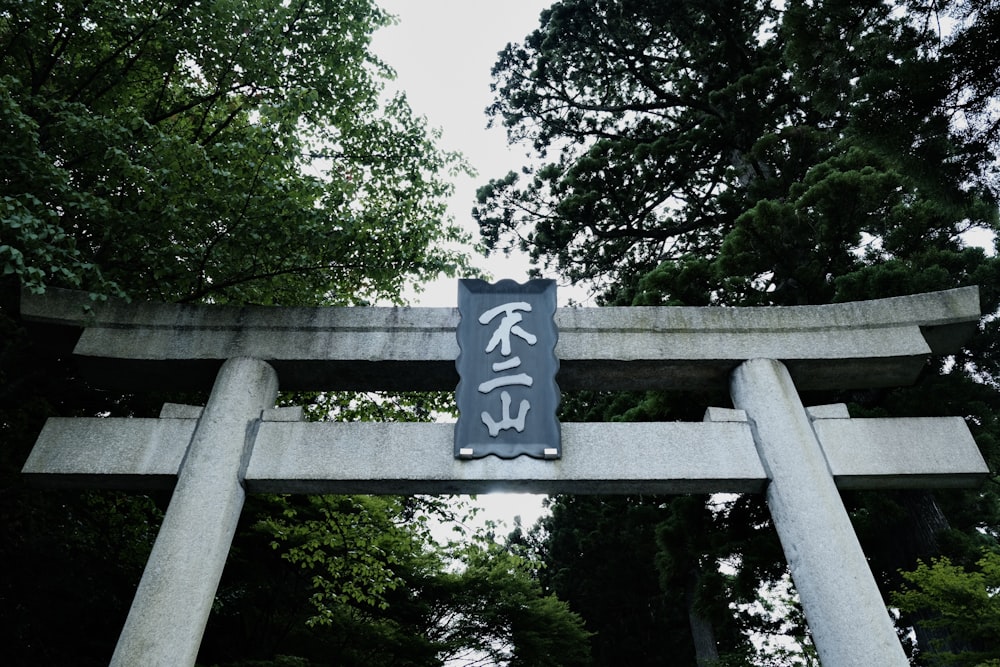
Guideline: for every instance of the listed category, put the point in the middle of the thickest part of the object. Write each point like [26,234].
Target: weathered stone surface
[769,440]
[648,457]
[181,411]
[171,606]
[672,457]
[918,452]
[849,623]
[109,453]
[713,414]
[873,343]
[828,411]
[293,413]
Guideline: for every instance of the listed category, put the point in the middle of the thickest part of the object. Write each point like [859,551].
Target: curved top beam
[883,342]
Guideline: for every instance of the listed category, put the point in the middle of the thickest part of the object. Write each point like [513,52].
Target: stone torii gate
[770,443]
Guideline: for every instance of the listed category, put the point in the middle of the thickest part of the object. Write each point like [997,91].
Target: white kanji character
[522,379]
[508,325]
[506,421]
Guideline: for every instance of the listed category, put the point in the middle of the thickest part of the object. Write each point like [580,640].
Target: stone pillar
[848,619]
[168,615]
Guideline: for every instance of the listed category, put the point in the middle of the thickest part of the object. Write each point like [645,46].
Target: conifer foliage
[745,153]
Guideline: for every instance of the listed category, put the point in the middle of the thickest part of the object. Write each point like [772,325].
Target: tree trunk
[702,632]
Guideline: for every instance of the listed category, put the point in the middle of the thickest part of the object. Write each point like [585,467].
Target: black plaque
[507,394]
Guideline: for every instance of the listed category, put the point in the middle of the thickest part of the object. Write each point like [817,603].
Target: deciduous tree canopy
[229,151]
[233,150]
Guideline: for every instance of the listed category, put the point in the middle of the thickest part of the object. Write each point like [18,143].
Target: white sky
[443,51]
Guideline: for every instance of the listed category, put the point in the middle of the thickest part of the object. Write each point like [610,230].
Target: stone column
[168,615]
[848,619]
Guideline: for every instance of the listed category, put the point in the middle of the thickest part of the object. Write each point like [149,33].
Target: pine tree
[734,153]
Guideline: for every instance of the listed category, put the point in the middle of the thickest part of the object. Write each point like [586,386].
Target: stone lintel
[293,413]
[672,457]
[134,454]
[331,457]
[883,342]
[912,453]
[407,458]
[713,414]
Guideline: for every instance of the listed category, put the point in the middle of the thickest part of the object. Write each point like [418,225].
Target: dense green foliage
[229,151]
[361,580]
[234,150]
[746,152]
[965,603]
[729,152]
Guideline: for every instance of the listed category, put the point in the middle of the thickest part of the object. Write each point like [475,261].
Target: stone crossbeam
[921,452]
[673,457]
[883,342]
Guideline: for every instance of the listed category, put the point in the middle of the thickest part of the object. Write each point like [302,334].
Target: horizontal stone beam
[405,458]
[883,342]
[856,448]
[133,454]
[408,458]
[676,457]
